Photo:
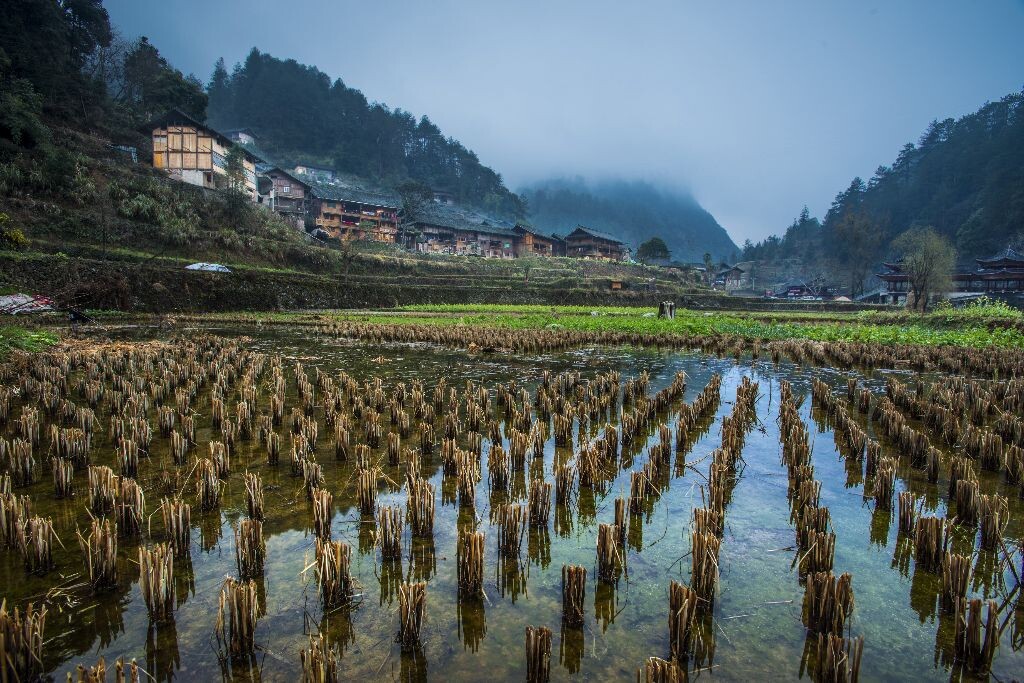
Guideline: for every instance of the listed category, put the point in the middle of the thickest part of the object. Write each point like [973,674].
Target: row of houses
[1000,274]
[322,201]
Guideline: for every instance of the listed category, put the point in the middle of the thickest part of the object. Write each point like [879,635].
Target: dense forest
[634,211]
[300,115]
[964,177]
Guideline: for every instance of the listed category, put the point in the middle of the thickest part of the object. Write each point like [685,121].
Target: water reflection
[925,588]
[511,577]
[422,559]
[880,522]
[538,546]
[472,621]
[337,627]
[606,604]
[162,656]
[390,578]
[571,648]
[210,529]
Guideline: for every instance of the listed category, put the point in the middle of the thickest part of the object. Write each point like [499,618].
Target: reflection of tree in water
[449,489]
[162,656]
[99,620]
[108,616]
[472,621]
[517,485]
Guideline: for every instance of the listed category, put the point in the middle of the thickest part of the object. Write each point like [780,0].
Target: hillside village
[329,205]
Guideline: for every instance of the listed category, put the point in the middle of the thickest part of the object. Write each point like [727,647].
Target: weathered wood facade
[592,244]
[291,198]
[192,152]
[352,213]
[534,243]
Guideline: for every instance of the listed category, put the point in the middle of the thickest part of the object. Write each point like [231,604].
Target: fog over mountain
[758,108]
[634,210]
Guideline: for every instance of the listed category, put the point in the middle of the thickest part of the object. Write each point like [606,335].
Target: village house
[593,244]
[192,152]
[1001,274]
[291,197]
[316,173]
[243,136]
[535,243]
[736,278]
[345,211]
[445,229]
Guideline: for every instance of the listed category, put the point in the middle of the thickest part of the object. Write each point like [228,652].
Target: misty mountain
[635,211]
[300,115]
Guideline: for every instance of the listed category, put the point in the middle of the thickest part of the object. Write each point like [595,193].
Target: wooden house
[593,244]
[535,243]
[292,197]
[192,152]
[1001,274]
[445,229]
[346,211]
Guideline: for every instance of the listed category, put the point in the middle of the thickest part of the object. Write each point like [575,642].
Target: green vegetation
[17,338]
[970,327]
[964,177]
[300,115]
[652,249]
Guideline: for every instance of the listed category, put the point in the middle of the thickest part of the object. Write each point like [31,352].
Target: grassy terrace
[17,338]
[979,325]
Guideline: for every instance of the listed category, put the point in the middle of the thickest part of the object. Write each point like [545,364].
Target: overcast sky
[757,107]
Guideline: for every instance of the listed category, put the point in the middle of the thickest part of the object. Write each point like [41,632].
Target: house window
[286,189]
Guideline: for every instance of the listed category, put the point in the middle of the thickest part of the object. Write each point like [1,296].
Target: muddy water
[757,631]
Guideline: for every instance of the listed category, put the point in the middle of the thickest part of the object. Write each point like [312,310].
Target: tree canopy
[301,115]
[927,258]
[964,178]
[652,249]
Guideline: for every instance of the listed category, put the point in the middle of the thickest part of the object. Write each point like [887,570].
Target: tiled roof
[446,216]
[596,233]
[1007,254]
[347,190]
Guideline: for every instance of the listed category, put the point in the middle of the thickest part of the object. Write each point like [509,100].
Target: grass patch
[851,327]
[17,338]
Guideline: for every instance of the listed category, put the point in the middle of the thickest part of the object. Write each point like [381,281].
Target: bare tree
[928,261]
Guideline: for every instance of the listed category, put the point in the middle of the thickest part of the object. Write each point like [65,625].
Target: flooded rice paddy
[753,623]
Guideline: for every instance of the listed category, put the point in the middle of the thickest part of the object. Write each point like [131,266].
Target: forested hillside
[964,177]
[300,115]
[635,211]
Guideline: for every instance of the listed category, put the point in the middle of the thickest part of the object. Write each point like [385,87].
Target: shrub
[11,237]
